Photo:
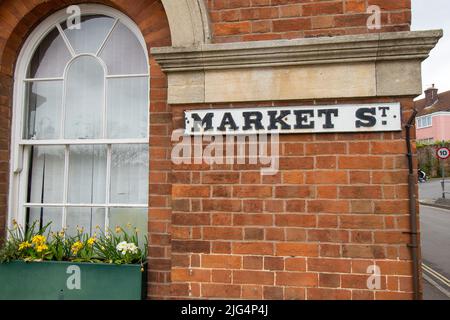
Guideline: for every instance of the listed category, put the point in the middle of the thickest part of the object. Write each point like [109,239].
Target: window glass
[50,58]
[47,170]
[91,33]
[44,216]
[91,220]
[129,182]
[84,99]
[87,175]
[127,108]
[44,101]
[123,53]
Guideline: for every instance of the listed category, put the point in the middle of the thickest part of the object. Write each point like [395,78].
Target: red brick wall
[5,116]
[308,232]
[338,205]
[249,20]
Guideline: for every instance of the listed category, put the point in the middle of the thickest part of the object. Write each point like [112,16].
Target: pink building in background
[433,122]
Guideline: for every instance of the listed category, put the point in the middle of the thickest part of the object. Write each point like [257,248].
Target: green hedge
[426,154]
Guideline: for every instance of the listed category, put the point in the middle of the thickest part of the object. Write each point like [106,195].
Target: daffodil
[41,248]
[118,229]
[39,240]
[77,246]
[24,245]
[91,241]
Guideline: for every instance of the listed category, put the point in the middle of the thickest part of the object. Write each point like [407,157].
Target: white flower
[125,248]
[121,246]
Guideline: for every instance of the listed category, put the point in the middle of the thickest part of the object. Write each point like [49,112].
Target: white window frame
[422,120]
[20,149]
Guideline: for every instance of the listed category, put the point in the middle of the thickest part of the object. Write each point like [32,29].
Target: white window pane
[50,58]
[123,53]
[44,216]
[86,218]
[84,99]
[91,34]
[127,108]
[44,103]
[87,174]
[137,218]
[47,172]
[129,174]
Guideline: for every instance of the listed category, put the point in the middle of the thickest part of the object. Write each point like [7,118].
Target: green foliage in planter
[118,247]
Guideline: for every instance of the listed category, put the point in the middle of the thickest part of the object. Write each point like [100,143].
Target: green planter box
[71,281]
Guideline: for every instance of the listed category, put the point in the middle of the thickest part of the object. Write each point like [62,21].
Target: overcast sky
[434,14]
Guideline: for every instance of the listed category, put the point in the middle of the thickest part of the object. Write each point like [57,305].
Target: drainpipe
[414,245]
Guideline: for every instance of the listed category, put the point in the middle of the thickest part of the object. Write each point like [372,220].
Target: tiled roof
[442,105]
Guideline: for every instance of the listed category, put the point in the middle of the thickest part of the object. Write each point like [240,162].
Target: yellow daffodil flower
[91,241]
[39,240]
[77,246]
[24,245]
[41,248]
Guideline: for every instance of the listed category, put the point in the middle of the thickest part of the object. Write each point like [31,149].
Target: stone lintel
[370,65]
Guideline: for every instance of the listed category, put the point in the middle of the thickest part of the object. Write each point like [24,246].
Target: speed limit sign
[443,153]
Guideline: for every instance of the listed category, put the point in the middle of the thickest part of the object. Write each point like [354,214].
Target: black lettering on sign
[304,119]
[274,120]
[206,123]
[384,114]
[366,117]
[228,121]
[384,111]
[254,118]
[328,117]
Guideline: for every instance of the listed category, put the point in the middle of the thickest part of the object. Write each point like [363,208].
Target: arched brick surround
[17,19]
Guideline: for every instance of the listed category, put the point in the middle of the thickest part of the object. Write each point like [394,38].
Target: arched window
[81,123]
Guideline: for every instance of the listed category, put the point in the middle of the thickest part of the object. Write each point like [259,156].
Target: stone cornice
[394,46]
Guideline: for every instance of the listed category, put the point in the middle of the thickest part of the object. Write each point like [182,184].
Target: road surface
[435,230]
[435,237]
[432,189]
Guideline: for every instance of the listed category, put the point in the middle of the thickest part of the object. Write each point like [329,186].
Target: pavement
[430,193]
[435,237]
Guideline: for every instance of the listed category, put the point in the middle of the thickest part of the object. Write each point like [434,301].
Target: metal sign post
[443,154]
[443,179]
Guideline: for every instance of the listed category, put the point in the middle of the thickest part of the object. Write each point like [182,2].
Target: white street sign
[378,117]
